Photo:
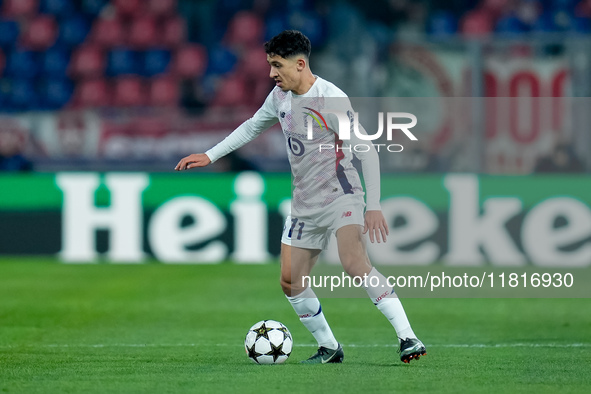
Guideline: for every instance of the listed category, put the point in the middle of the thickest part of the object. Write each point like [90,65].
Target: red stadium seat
[190,61]
[127,7]
[231,92]
[2,62]
[87,61]
[129,92]
[476,23]
[108,32]
[254,64]
[142,32]
[162,7]
[246,29]
[92,93]
[174,32]
[41,33]
[20,8]
[164,92]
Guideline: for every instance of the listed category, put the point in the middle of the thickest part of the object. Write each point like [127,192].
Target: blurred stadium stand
[202,62]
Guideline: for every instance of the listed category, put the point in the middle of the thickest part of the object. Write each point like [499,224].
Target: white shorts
[313,230]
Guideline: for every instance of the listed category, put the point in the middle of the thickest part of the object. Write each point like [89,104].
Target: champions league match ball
[268,342]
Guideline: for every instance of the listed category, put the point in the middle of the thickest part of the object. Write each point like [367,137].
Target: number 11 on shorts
[294,222]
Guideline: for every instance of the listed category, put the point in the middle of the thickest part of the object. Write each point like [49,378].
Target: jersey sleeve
[264,118]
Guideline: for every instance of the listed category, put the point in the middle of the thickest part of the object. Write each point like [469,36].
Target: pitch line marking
[453,345]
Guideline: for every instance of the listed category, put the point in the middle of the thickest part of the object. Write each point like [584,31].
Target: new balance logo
[346,214]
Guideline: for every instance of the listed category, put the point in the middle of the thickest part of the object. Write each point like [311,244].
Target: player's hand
[193,161]
[376,224]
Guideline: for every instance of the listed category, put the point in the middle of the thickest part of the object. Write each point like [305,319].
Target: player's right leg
[295,264]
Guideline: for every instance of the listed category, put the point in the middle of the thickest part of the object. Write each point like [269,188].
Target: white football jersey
[321,167]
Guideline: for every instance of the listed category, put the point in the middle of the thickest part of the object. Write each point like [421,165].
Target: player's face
[285,72]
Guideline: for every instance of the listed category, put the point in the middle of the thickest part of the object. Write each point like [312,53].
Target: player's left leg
[353,256]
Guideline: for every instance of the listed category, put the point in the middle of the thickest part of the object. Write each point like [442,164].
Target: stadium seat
[231,92]
[174,32]
[221,61]
[108,32]
[142,32]
[55,62]
[190,61]
[41,33]
[545,23]
[129,92]
[87,61]
[510,24]
[442,24]
[254,64]
[310,24]
[92,93]
[73,30]
[164,92]
[22,64]
[9,32]
[5,104]
[162,7]
[20,8]
[56,93]
[274,25]
[583,9]
[122,61]
[156,61]
[246,29]
[581,25]
[2,62]
[127,7]
[59,8]
[23,96]
[93,7]
[476,23]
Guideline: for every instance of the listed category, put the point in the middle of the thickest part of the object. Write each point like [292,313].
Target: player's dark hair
[288,43]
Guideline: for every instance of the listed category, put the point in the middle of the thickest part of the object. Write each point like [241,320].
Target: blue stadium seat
[22,64]
[73,30]
[442,24]
[545,23]
[55,62]
[5,105]
[9,32]
[23,96]
[581,25]
[221,60]
[510,25]
[93,7]
[57,7]
[309,24]
[56,93]
[275,24]
[123,61]
[156,61]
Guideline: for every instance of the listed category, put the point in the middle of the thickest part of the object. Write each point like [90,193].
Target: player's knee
[286,285]
[356,267]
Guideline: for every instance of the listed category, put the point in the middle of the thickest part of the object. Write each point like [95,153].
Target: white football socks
[384,297]
[308,308]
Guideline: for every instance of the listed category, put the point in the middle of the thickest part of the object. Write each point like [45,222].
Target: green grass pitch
[158,328]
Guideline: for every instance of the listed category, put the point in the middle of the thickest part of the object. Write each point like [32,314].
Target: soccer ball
[268,342]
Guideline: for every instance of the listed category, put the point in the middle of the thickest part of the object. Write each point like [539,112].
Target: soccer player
[327,196]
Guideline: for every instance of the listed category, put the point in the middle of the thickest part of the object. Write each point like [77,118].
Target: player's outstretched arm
[377,226]
[193,161]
